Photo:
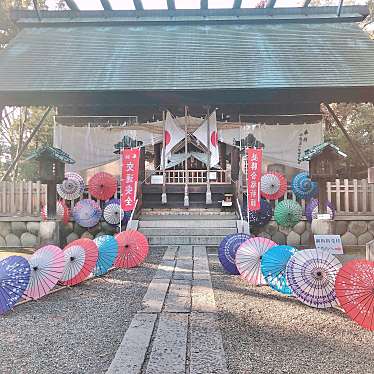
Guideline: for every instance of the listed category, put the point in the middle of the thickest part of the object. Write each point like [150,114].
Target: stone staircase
[195,228]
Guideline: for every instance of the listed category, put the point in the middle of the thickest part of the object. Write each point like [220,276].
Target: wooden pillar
[51,200]
[157,155]
[235,159]
[222,155]
[142,164]
[322,196]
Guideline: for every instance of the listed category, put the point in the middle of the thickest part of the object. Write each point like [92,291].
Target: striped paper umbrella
[354,286]
[227,251]
[113,212]
[248,259]
[311,276]
[273,267]
[80,259]
[47,266]
[108,251]
[72,187]
[132,249]
[62,212]
[303,187]
[311,210]
[273,185]
[14,279]
[87,213]
[102,186]
[288,213]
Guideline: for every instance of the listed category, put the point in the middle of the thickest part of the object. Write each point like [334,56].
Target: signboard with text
[331,243]
[254,166]
[129,179]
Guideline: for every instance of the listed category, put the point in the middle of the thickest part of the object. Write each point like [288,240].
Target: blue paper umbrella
[303,187]
[108,250]
[227,251]
[14,279]
[87,213]
[273,267]
[260,217]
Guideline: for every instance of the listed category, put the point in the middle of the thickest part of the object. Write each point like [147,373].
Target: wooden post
[163,195]
[51,200]
[186,200]
[208,200]
[142,165]
[322,196]
[222,155]
[157,155]
[235,164]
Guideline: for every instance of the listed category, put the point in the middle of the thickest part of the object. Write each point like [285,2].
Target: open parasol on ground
[227,251]
[47,265]
[311,276]
[248,259]
[72,187]
[108,251]
[303,187]
[260,217]
[273,267]
[80,259]
[113,213]
[102,186]
[354,286]
[311,210]
[87,213]
[132,249]
[62,212]
[273,185]
[14,278]
[288,213]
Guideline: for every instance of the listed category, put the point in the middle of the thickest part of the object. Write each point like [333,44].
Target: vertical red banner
[129,180]
[254,165]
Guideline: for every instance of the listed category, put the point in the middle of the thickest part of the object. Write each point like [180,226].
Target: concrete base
[370,251]
[323,227]
[50,233]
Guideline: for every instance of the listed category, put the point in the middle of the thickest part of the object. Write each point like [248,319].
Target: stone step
[196,223]
[184,231]
[188,240]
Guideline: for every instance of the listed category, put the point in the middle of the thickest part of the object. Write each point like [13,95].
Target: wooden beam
[270,3]
[138,4]
[339,8]
[106,4]
[171,4]
[237,4]
[306,3]
[350,140]
[72,5]
[24,147]
[204,4]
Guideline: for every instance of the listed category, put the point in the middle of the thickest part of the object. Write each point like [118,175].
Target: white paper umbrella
[113,213]
[72,187]
[74,261]
[248,259]
[311,276]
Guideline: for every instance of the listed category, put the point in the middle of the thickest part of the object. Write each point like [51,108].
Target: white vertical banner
[201,134]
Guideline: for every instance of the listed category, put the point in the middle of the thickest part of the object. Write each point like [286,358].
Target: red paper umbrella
[354,287]
[273,185]
[102,186]
[80,259]
[132,249]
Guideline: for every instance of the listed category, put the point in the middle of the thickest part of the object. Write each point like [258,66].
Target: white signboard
[157,179]
[331,243]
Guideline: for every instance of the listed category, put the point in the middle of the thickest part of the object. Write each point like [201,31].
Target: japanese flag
[173,134]
[201,135]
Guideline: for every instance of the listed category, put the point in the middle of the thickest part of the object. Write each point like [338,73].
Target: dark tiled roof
[316,150]
[51,152]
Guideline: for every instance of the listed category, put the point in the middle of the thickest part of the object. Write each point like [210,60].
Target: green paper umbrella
[288,213]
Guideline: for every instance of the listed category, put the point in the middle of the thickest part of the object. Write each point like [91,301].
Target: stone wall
[33,233]
[352,232]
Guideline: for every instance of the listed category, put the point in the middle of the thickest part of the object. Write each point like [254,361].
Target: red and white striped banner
[254,165]
[129,180]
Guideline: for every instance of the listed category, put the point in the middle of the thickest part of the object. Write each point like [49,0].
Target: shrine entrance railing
[193,177]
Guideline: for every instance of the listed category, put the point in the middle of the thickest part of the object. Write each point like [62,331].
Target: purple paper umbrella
[311,210]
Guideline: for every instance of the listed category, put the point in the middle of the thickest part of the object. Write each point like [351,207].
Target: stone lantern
[51,172]
[323,165]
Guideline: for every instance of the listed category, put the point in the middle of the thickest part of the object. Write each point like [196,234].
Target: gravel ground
[75,330]
[265,332]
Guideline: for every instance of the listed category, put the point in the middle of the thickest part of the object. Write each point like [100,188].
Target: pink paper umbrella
[248,259]
[47,265]
[132,249]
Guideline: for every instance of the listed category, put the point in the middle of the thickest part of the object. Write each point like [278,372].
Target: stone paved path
[176,331]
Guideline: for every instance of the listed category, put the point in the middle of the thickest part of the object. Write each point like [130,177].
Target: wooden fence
[349,197]
[22,198]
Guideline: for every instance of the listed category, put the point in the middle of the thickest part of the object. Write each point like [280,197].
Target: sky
[180,4]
